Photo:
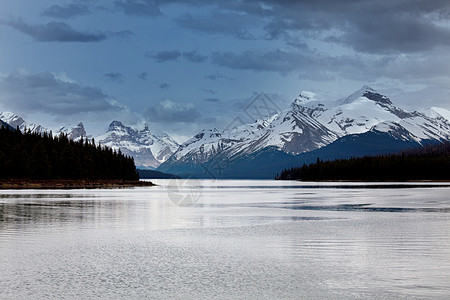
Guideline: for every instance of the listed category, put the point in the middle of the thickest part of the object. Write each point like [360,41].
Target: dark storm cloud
[194,56]
[45,92]
[164,56]
[56,32]
[141,8]
[114,76]
[396,26]
[400,34]
[169,111]
[364,25]
[66,11]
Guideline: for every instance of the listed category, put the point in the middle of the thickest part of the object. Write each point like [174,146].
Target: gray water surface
[227,239]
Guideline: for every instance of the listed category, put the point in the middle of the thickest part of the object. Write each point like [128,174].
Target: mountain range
[73,132]
[365,123]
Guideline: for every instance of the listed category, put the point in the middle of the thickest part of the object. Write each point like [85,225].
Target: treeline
[427,163]
[43,156]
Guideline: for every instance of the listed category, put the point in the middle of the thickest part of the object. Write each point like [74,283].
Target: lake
[205,239]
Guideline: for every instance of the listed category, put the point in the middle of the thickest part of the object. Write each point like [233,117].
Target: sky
[182,66]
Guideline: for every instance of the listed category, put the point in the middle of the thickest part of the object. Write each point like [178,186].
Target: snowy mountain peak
[145,128]
[148,150]
[115,125]
[74,133]
[305,99]
[15,121]
[369,93]
[78,132]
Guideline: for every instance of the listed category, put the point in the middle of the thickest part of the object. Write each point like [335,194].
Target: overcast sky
[182,66]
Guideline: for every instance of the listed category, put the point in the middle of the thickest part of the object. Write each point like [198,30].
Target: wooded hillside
[35,156]
[427,163]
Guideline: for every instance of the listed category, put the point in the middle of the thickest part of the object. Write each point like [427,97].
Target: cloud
[124,34]
[398,26]
[164,56]
[56,32]
[194,56]
[52,94]
[226,23]
[168,111]
[170,55]
[403,34]
[218,76]
[66,11]
[143,76]
[366,26]
[210,91]
[308,64]
[257,60]
[212,100]
[114,76]
[141,8]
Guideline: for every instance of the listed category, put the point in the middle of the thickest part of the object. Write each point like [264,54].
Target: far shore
[6,184]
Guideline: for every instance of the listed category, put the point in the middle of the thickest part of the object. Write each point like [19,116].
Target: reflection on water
[246,239]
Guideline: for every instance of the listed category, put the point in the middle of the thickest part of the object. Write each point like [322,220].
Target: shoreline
[63,184]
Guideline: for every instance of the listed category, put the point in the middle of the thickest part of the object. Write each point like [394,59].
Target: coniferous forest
[428,163]
[35,156]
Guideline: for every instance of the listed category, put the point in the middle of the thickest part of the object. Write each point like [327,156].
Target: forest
[431,162]
[31,155]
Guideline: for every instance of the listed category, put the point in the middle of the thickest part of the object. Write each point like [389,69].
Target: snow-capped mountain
[311,124]
[73,132]
[367,108]
[148,150]
[15,121]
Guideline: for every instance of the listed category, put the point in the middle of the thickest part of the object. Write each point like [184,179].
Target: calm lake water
[227,239]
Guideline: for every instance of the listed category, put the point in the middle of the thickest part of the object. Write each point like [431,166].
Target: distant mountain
[16,121]
[148,150]
[366,122]
[73,132]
